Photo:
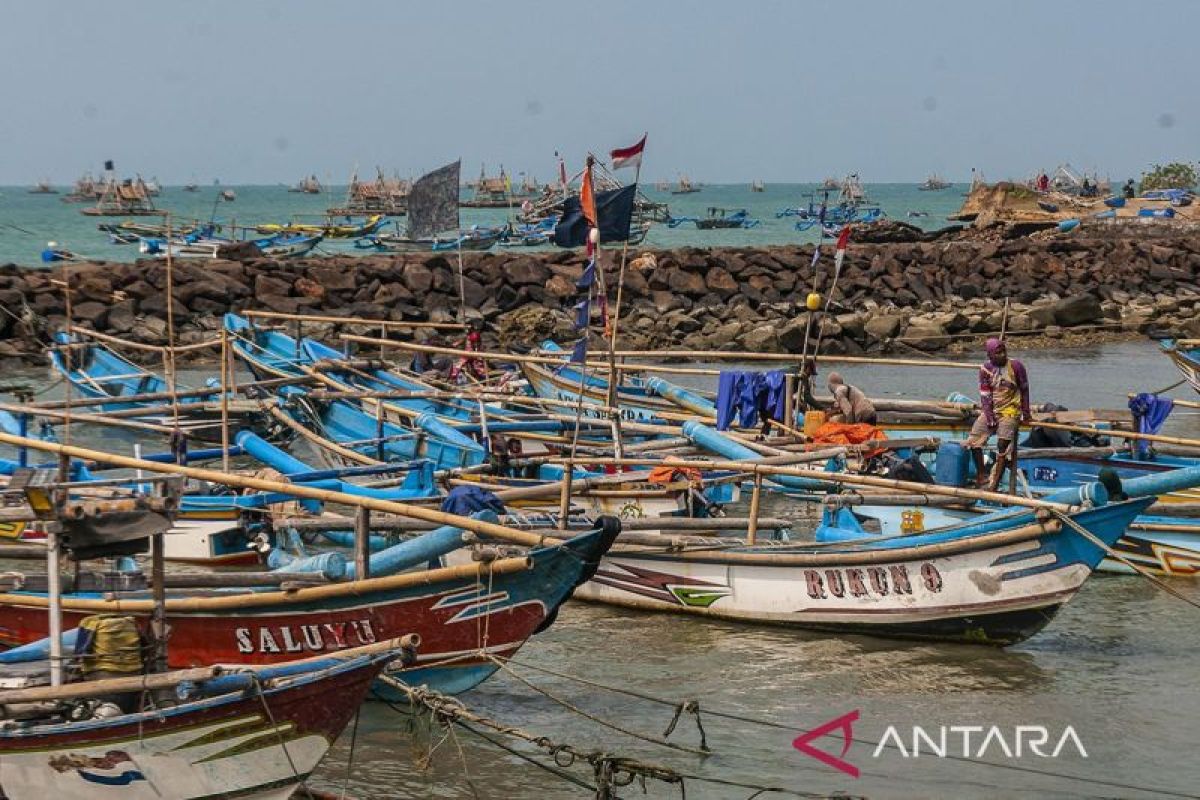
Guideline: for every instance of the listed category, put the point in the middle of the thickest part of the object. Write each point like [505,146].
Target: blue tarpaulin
[1149,412]
[745,395]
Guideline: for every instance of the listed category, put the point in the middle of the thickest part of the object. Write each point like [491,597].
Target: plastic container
[812,421]
[952,464]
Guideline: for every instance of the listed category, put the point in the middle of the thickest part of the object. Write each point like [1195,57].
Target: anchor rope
[1113,553]
[609,770]
[736,717]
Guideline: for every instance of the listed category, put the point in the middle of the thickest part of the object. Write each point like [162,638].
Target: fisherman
[1129,191]
[1004,398]
[1043,183]
[849,403]
[468,366]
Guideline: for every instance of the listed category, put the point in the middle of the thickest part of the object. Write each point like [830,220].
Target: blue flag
[579,354]
[588,277]
[583,313]
[614,209]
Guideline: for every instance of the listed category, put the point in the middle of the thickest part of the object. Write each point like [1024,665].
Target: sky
[255,91]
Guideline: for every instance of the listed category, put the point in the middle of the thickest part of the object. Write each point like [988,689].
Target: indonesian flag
[587,196]
[628,156]
[840,251]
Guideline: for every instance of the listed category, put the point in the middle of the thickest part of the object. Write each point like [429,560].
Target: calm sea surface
[1119,664]
[29,221]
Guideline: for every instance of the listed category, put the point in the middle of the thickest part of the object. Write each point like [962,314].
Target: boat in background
[718,218]
[383,196]
[685,186]
[757,186]
[129,197]
[309,185]
[43,187]
[934,184]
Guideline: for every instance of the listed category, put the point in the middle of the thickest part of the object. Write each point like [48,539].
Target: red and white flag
[840,251]
[628,156]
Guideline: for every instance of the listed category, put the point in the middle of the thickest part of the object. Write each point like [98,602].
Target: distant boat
[309,185]
[127,198]
[662,186]
[757,186]
[152,187]
[498,192]
[388,196]
[718,218]
[228,195]
[685,186]
[934,184]
[831,184]
[86,190]
[852,190]
[191,187]
[43,187]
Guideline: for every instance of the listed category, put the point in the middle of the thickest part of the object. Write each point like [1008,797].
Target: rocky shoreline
[891,296]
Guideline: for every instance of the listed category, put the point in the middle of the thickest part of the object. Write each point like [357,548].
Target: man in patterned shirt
[1004,398]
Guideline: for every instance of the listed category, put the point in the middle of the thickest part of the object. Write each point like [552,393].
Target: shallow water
[1118,664]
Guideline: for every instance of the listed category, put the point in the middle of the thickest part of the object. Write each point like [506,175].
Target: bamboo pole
[383,323]
[99,419]
[166,680]
[155,396]
[835,478]
[299,490]
[224,399]
[320,441]
[1147,437]
[755,498]
[151,348]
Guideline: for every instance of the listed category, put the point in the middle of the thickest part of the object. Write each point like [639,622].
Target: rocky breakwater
[924,294]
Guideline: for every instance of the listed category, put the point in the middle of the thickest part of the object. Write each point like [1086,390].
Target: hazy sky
[265,92]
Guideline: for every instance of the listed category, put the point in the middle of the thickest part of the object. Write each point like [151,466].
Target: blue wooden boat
[995,580]
[461,619]
[97,372]
[1166,545]
[247,733]
[1185,355]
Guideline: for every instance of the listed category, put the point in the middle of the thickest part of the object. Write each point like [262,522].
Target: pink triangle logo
[845,724]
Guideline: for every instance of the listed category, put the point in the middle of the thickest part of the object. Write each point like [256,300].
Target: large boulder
[418,278]
[883,326]
[1078,309]
[763,339]
[686,282]
[526,271]
[720,281]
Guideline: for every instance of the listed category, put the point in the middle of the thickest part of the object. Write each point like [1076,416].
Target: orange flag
[587,196]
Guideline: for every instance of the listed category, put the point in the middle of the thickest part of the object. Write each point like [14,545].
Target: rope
[608,771]
[350,757]
[792,729]
[1112,553]
[278,733]
[701,751]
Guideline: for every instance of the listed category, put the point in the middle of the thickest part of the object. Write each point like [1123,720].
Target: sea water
[29,221]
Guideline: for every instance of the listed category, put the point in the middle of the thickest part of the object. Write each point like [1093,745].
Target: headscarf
[993,345]
[835,379]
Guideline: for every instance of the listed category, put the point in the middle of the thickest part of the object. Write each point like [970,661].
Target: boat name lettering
[869,581]
[305,638]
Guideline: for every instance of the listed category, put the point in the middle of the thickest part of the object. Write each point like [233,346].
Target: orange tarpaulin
[672,474]
[847,433]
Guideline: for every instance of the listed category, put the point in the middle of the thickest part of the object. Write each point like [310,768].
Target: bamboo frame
[299,490]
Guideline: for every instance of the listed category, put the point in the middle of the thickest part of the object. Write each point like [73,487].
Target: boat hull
[236,745]
[990,590]
[460,621]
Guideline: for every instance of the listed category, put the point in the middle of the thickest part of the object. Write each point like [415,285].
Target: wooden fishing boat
[718,218]
[309,185]
[383,196]
[685,186]
[330,230]
[98,372]
[247,733]
[43,187]
[461,615]
[497,192]
[934,184]
[86,190]
[470,240]
[996,580]
[128,198]
[1185,355]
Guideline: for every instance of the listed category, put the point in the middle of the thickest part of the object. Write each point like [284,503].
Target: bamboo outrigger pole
[299,490]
